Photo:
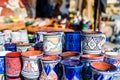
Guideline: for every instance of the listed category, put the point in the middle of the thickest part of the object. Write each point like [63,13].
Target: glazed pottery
[10,47]
[52,43]
[2,61]
[72,41]
[87,59]
[15,37]
[23,47]
[68,54]
[39,36]
[50,67]
[91,42]
[7,35]
[23,36]
[72,69]
[13,64]
[102,71]
[30,68]
[113,59]
[2,39]
[2,77]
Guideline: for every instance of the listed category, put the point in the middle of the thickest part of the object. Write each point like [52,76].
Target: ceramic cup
[2,61]
[72,69]
[50,67]
[87,59]
[2,39]
[13,64]
[102,71]
[15,37]
[91,42]
[23,47]
[113,58]
[31,63]
[10,47]
[72,41]
[52,43]
[23,36]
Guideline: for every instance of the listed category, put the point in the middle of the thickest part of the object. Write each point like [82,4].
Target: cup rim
[31,53]
[114,70]
[58,59]
[13,54]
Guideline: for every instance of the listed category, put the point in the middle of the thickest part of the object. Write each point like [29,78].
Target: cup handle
[103,39]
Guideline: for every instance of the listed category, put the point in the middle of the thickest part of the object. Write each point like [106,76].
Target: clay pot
[31,68]
[23,47]
[102,71]
[113,58]
[50,67]
[72,69]
[13,69]
[87,59]
[92,41]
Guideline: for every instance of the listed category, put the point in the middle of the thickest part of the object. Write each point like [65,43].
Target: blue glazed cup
[102,71]
[2,61]
[72,41]
[10,47]
[72,69]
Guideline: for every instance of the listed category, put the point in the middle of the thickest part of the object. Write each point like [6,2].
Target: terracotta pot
[87,59]
[50,68]
[13,69]
[23,47]
[70,54]
[31,68]
[113,58]
[102,71]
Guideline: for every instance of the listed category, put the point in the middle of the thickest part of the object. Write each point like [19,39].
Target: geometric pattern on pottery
[72,74]
[30,69]
[113,61]
[48,72]
[2,65]
[91,44]
[101,76]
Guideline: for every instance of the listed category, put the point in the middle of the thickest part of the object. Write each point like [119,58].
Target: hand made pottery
[23,47]
[10,47]
[87,59]
[13,64]
[72,69]
[113,58]
[31,66]
[50,67]
[72,41]
[52,43]
[2,61]
[102,71]
[2,40]
[91,42]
